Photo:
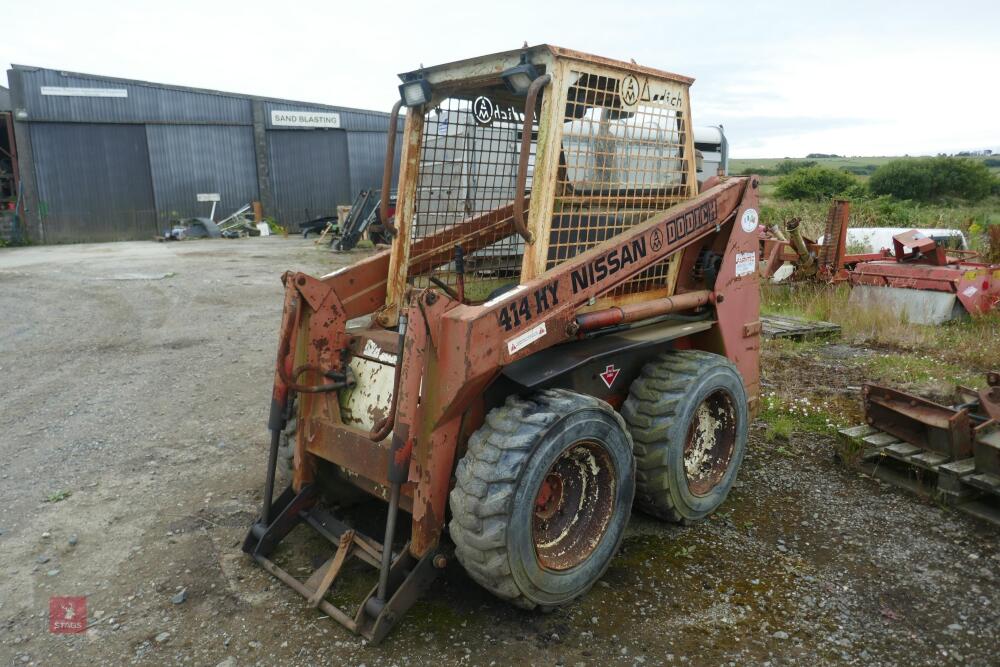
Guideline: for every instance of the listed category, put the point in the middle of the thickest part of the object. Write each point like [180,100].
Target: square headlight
[415,93]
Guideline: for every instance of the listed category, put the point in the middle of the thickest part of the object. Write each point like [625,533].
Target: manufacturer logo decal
[486,112]
[616,259]
[630,91]
[610,374]
[656,240]
[482,109]
[750,220]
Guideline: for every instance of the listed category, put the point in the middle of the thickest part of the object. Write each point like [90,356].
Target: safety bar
[522,165]
[390,157]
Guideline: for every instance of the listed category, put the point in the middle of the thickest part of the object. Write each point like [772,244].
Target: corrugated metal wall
[188,159]
[95,185]
[367,155]
[192,141]
[310,174]
[145,102]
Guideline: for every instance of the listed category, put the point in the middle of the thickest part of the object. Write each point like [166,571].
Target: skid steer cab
[564,327]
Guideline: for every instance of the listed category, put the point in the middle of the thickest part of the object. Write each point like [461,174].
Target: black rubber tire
[497,482]
[659,410]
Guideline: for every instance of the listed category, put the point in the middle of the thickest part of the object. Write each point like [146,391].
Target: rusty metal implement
[521,224]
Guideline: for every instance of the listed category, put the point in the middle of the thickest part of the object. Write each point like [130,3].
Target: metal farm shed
[106,159]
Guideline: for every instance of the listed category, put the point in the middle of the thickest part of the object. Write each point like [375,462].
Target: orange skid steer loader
[563,327]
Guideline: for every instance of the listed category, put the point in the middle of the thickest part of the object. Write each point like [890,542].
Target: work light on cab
[519,78]
[415,93]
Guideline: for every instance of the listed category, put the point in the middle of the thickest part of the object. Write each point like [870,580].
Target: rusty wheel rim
[573,506]
[710,443]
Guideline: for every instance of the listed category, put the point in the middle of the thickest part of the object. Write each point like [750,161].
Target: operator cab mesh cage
[622,159]
[610,147]
[467,168]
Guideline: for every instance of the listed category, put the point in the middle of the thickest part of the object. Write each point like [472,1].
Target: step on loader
[564,327]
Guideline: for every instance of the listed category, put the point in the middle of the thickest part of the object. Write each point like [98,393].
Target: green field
[970,217]
[738,166]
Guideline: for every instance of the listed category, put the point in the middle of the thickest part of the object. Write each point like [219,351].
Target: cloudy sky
[785,78]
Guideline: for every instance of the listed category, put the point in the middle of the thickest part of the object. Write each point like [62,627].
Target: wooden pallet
[925,473]
[782,326]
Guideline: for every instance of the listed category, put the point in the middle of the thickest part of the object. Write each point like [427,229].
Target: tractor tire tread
[649,411]
[486,478]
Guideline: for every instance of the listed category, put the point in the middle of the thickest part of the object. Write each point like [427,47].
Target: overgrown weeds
[975,220]
[971,345]
[786,416]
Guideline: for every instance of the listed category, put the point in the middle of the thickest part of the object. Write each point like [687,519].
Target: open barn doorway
[9,181]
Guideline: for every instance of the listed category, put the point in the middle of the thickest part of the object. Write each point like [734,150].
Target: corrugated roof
[4,99]
[190,89]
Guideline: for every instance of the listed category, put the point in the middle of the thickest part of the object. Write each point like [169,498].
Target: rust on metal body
[918,421]
[573,506]
[828,260]
[920,263]
[486,337]
[641,311]
[522,166]
[405,210]
[390,158]
[618,231]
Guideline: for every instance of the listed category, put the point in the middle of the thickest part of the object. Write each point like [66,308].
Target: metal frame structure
[826,261]
[364,212]
[646,246]
[920,263]
[923,446]
[572,86]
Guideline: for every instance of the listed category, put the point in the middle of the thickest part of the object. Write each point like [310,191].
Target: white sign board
[281,118]
[208,196]
[66,91]
[521,341]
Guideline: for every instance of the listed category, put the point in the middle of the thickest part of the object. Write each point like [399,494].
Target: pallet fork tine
[406,579]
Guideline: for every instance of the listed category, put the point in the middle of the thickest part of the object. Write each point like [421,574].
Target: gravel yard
[135,385]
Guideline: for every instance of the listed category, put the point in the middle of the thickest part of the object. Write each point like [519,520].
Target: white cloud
[786,78]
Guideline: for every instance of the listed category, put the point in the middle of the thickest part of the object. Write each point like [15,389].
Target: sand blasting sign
[282,118]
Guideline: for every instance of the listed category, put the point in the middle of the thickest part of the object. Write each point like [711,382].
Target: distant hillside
[857,165]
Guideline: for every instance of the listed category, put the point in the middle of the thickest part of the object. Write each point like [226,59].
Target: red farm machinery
[563,327]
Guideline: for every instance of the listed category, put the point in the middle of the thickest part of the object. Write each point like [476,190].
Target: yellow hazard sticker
[970,275]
